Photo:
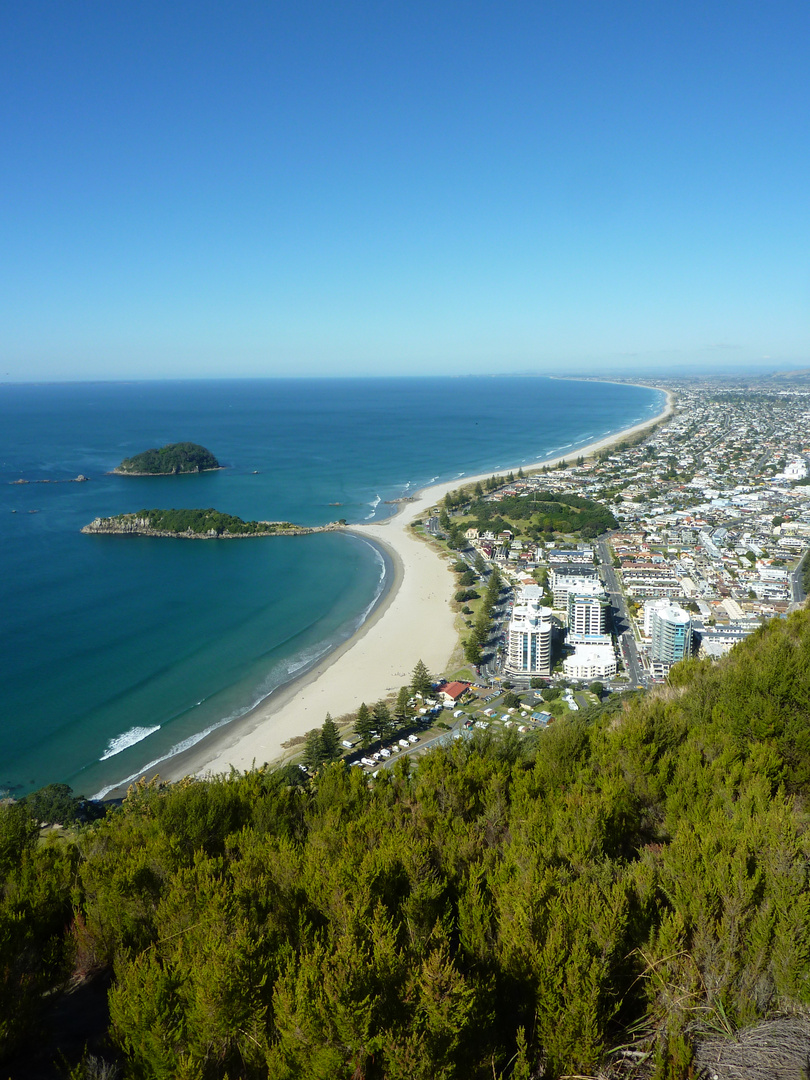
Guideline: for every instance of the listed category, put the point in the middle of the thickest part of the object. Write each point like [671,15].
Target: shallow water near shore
[118,651]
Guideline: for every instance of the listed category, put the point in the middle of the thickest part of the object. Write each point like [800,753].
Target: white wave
[306,659]
[186,744]
[375,502]
[129,738]
[364,614]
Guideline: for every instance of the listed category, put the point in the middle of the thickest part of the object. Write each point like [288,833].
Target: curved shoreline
[218,741]
[419,625]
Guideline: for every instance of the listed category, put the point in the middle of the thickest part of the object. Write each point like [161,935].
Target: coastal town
[713,516]
[709,525]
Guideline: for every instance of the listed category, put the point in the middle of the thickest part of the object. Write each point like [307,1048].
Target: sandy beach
[412,621]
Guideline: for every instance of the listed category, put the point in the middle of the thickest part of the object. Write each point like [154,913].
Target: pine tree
[313,751]
[402,709]
[382,719]
[421,682]
[330,739]
[364,725]
[472,651]
[480,630]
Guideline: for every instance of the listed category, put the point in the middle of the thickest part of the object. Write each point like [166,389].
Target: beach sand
[412,621]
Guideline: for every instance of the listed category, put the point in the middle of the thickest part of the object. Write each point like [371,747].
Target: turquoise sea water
[117,652]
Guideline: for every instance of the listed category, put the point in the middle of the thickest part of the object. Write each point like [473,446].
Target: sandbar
[412,621]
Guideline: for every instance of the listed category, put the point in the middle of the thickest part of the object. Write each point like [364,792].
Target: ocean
[119,652]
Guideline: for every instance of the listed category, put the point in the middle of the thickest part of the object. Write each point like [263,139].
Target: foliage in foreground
[636,873]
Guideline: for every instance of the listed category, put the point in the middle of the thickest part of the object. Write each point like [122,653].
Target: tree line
[375,724]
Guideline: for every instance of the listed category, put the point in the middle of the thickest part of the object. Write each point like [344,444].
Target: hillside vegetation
[635,877]
[203,521]
[184,457]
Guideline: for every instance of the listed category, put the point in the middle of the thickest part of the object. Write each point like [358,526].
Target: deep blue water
[115,652]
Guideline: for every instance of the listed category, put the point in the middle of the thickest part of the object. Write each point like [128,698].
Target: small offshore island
[170,460]
[198,525]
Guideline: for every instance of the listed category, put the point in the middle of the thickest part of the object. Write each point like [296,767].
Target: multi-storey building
[530,631]
[587,615]
[671,631]
[564,578]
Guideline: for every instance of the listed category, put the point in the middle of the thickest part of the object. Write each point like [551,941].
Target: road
[798,595]
[501,614]
[622,626]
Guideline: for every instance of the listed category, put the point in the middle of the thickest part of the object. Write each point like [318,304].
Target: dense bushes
[205,521]
[182,457]
[638,873]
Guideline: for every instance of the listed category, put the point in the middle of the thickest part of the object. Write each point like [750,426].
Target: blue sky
[315,188]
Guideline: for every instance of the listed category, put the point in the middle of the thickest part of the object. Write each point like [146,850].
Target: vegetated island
[170,460]
[198,525]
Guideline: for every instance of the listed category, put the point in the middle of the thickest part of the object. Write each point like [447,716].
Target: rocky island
[198,525]
[170,460]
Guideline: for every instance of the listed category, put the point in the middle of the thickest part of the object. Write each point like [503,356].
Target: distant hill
[171,460]
[801,376]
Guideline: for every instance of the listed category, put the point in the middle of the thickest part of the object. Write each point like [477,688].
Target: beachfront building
[671,633]
[591,662]
[451,693]
[529,636]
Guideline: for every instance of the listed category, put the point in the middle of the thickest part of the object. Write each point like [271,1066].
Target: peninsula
[170,460]
[207,524]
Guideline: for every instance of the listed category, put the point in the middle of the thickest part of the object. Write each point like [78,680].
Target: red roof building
[451,692]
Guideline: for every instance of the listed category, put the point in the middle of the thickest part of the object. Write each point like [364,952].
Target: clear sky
[311,187]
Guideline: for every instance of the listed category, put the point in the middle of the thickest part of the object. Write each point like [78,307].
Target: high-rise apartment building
[587,616]
[529,641]
[671,632]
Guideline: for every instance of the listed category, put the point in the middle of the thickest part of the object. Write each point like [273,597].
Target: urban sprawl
[714,515]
